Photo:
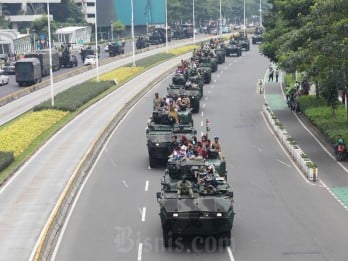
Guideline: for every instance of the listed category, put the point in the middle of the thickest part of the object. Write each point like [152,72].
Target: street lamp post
[244,19]
[34,43]
[112,31]
[166,26]
[220,20]
[96,43]
[133,43]
[260,14]
[50,51]
[193,21]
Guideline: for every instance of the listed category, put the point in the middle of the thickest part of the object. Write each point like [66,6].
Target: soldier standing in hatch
[184,186]
[156,101]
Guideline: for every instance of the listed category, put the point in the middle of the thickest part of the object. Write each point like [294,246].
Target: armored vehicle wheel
[166,237]
[152,162]
[195,108]
[226,239]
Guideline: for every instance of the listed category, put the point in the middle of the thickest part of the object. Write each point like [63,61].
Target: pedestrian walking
[277,74]
[270,73]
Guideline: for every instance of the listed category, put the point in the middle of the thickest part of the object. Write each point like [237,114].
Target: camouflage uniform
[184,187]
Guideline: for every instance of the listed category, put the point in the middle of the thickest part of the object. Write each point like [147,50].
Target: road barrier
[302,161]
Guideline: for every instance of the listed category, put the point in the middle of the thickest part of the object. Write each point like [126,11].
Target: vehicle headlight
[175,214]
[219,214]
[157,144]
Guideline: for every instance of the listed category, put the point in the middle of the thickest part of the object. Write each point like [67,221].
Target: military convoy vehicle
[116,48]
[192,91]
[67,59]
[28,71]
[158,35]
[205,70]
[220,54]
[160,128]
[243,41]
[142,42]
[208,211]
[233,48]
[257,36]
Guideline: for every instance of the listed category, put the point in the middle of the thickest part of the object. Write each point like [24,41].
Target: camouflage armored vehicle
[243,41]
[116,48]
[204,211]
[142,42]
[220,53]
[257,36]
[192,91]
[212,61]
[160,129]
[204,69]
[233,48]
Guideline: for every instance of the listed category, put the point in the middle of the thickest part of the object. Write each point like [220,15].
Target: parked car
[4,79]
[9,68]
[90,59]
[226,29]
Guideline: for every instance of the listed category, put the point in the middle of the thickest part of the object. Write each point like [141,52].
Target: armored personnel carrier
[220,53]
[257,36]
[160,128]
[192,91]
[116,48]
[233,48]
[243,41]
[205,211]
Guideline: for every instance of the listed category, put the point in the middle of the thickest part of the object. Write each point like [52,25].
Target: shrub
[6,158]
[121,74]
[152,60]
[17,135]
[317,111]
[73,98]
[184,49]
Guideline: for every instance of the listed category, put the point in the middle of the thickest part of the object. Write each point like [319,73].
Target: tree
[118,27]
[311,36]
[67,9]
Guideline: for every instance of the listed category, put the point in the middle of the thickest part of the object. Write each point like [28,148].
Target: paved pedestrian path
[330,173]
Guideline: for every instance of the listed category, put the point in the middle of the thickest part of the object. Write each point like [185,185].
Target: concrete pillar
[24,6]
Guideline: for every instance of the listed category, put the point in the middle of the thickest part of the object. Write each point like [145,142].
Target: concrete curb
[302,161]
[56,220]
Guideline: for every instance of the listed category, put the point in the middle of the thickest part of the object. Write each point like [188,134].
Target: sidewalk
[330,172]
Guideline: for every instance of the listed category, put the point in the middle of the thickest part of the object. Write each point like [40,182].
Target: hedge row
[152,60]
[73,98]
[6,158]
[328,122]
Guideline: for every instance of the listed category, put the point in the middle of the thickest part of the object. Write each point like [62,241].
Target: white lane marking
[212,86]
[146,185]
[125,183]
[230,254]
[259,149]
[214,80]
[333,194]
[203,106]
[202,133]
[226,68]
[284,163]
[206,98]
[202,123]
[321,145]
[202,112]
[143,214]
[140,251]
[287,154]
[218,76]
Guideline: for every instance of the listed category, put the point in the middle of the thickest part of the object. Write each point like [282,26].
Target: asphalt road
[279,215]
